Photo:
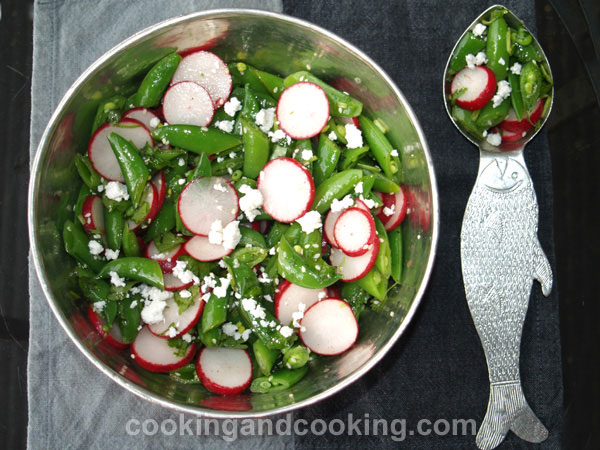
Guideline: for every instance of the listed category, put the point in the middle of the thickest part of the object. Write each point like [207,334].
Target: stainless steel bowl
[271,42]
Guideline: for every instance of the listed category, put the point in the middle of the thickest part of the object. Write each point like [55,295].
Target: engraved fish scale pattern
[498,243]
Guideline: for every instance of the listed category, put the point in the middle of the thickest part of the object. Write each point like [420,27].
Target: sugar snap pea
[134,268]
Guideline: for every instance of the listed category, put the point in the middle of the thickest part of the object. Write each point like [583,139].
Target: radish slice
[172,283]
[144,116]
[159,182]
[514,125]
[329,327]
[150,197]
[181,322]
[354,231]
[205,200]
[92,211]
[354,267]
[209,71]
[303,110]
[199,248]
[166,260]
[100,152]
[188,103]
[389,202]
[223,370]
[513,136]
[287,188]
[332,217]
[113,337]
[400,202]
[480,85]
[289,296]
[153,353]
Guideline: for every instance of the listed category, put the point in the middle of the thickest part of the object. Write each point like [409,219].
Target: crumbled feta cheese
[229,329]
[225,125]
[181,162]
[272,251]
[298,315]
[340,205]
[394,152]
[353,136]
[181,181]
[133,304]
[322,295]
[99,306]
[332,136]
[116,280]
[187,337]
[111,254]
[278,135]
[182,274]
[501,61]
[219,187]
[310,221]
[154,122]
[215,235]
[185,293]
[100,187]
[478,29]
[367,201]
[475,60]
[254,309]
[485,133]
[231,235]
[250,202]
[95,247]
[153,311]
[502,93]
[232,106]
[516,68]
[171,332]
[494,139]
[265,118]
[116,191]
[359,187]
[286,331]
[306,154]
[389,211]
[221,291]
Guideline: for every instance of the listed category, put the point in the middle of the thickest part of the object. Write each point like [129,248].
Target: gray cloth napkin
[72,405]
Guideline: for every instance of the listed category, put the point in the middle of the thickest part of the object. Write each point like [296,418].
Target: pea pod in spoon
[498,98]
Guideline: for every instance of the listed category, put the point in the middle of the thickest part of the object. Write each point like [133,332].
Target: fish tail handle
[508,410]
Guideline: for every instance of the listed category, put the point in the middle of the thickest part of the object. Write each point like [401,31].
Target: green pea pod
[250,106]
[531,84]
[296,270]
[186,375]
[196,139]
[247,181]
[490,116]
[227,166]
[265,357]
[109,111]
[335,187]
[469,44]
[113,225]
[211,338]
[395,237]
[252,237]
[272,83]
[278,381]
[516,98]
[214,313]
[242,75]
[351,157]
[203,168]
[526,53]
[355,296]
[295,357]
[275,233]
[368,181]
[374,283]
[94,290]
[90,177]
[245,282]
[384,184]
[163,222]
[256,148]
[380,147]
[156,81]
[250,255]
[76,245]
[131,246]
[311,245]
[465,120]
[523,37]
[135,268]
[328,155]
[340,104]
[384,258]
[132,166]
[496,50]
[168,241]
[129,318]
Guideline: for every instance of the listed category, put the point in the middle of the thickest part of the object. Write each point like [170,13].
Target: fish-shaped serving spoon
[501,256]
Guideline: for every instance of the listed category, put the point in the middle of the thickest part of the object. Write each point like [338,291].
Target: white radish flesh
[205,200]
[154,353]
[354,231]
[332,217]
[188,103]
[92,211]
[168,259]
[400,202]
[159,182]
[303,110]
[199,248]
[354,267]
[479,84]
[209,71]
[113,337]
[329,327]
[101,154]
[181,323]
[223,370]
[172,283]
[287,188]
[144,116]
[289,296]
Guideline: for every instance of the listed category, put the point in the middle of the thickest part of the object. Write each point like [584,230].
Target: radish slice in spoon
[303,110]
[180,323]
[205,200]
[199,248]
[329,327]
[209,71]
[155,354]
[287,188]
[514,125]
[113,336]
[354,267]
[354,231]
[479,84]
[289,296]
[101,154]
[144,116]
[92,211]
[223,370]
[188,103]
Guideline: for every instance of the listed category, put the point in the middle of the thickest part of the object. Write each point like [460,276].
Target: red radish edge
[400,207]
[159,182]
[326,323]
[228,357]
[303,110]
[480,83]
[288,296]
[201,249]
[92,211]
[364,262]
[350,233]
[188,103]
[172,283]
[152,212]
[332,217]
[142,115]
[98,324]
[168,259]
[141,356]
[511,124]
[173,318]
[278,189]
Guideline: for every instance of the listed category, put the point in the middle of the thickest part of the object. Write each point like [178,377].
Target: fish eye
[514,175]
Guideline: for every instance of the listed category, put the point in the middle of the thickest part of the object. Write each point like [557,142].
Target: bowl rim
[110,372]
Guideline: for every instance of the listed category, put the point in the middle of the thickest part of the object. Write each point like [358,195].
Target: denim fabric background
[437,370]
